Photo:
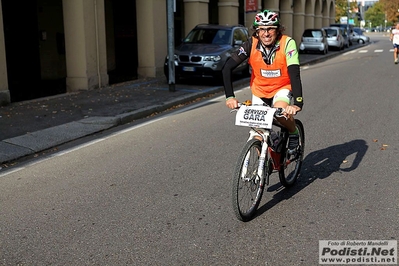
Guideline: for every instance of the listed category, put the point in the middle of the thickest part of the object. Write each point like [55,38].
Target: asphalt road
[157,192]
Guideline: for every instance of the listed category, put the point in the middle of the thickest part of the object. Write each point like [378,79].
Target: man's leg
[288,123]
[293,140]
[281,100]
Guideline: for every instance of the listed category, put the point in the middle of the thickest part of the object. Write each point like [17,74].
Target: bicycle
[265,152]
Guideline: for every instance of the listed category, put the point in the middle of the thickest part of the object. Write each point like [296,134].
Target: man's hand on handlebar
[292,109]
[232,103]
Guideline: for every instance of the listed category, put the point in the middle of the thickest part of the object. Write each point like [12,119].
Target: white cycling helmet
[266,18]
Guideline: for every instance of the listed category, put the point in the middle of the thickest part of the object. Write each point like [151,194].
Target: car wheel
[361,41]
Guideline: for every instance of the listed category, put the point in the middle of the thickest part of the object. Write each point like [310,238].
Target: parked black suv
[205,50]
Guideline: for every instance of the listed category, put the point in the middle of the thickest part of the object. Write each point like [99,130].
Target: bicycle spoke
[289,173]
[247,184]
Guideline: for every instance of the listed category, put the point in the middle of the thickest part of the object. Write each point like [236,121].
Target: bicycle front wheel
[291,164]
[247,185]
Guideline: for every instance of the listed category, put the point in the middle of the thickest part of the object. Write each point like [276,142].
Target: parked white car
[360,38]
[314,40]
[335,38]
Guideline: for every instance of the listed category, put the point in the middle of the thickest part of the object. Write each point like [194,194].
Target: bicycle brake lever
[279,113]
[236,109]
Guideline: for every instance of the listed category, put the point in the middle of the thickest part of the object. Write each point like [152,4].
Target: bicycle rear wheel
[247,185]
[291,164]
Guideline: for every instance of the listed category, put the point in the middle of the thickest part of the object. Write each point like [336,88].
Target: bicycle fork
[261,166]
[262,157]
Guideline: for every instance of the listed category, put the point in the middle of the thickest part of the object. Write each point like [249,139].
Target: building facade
[62,46]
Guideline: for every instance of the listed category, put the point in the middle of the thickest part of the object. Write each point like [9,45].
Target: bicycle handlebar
[279,110]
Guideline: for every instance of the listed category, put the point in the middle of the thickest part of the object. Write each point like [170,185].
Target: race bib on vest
[270,73]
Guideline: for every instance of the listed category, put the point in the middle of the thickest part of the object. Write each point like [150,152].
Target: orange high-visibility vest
[266,80]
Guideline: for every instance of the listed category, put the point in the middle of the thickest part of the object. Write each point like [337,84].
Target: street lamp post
[347,21]
[385,21]
[171,44]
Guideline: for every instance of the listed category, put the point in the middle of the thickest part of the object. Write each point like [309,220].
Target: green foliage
[375,15]
[391,10]
[342,8]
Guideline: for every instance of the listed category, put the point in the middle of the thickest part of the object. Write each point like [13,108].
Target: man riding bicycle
[275,77]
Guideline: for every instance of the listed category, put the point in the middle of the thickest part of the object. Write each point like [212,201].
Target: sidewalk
[33,126]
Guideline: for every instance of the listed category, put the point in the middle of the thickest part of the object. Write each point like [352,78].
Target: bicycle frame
[260,117]
[264,134]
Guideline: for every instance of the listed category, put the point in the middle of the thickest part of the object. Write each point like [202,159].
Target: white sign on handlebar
[255,116]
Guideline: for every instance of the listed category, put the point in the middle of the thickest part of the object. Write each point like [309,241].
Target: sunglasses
[268,29]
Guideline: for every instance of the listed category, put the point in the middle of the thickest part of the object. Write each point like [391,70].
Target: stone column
[318,21]
[309,21]
[286,15]
[249,16]
[4,91]
[228,12]
[325,21]
[299,24]
[331,12]
[271,5]
[318,16]
[195,12]
[84,24]
[152,34]
[309,16]
[326,15]
[249,20]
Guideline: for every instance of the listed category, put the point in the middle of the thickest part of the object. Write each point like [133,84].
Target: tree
[341,9]
[376,15]
[391,9]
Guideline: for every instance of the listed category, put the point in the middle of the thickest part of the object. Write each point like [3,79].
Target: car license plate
[191,69]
